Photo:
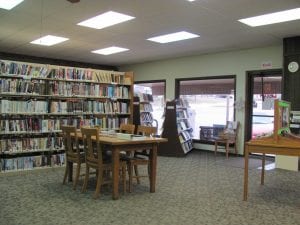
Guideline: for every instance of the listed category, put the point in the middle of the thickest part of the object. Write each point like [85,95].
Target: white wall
[224,63]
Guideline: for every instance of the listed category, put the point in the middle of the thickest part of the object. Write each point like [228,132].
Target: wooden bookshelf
[36,99]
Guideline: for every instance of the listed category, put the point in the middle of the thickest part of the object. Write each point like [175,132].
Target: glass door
[266,88]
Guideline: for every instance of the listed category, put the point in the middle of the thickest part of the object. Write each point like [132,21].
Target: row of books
[30,125]
[183,125]
[30,106]
[31,144]
[37,125]
[105,123]
[23,86]
[28,69]
[89,107]
[87,89]
[184,136]
[145,97]
[31,162]
[60,72]
[181,114]
[35,106]
[146,117]
[146,107]
[109,123]
[71,73]
[187,146]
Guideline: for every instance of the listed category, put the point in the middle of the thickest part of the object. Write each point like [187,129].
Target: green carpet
[193,190]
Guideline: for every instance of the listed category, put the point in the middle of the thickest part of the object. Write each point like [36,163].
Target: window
[211,101]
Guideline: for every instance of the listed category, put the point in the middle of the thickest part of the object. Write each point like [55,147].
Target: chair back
[91,145]
[70,140]
[127,128]
[146,130]
[231,129]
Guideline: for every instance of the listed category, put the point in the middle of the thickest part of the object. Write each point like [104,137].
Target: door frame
[249,93]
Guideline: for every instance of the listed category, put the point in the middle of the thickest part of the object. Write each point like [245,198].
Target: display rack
[295,122]
[37,98]
[177,129]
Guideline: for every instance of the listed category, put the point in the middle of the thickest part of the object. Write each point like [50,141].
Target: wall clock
[293,67]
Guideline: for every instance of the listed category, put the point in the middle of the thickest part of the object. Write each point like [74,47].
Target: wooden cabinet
[177,129]
[36,99]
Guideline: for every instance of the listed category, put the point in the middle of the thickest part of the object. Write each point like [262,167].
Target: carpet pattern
[239,162]
[193,190]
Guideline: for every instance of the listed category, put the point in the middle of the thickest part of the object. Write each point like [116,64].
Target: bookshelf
[177,129]
[143,109]
[36,99]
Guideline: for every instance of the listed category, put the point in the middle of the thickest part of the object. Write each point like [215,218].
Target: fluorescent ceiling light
[178,36]
[271,18]
[49,40]
[9,4]
[105,20]
[110,50]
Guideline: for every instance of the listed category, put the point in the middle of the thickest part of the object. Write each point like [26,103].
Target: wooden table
[116,145]
[284,146]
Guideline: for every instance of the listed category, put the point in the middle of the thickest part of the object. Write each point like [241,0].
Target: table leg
[115,173]
[70,171]
[153,162]
[262,178]
[246,173]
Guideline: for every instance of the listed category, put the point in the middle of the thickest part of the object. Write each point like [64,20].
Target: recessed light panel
[105,20]
[110,50]
[49,40]
[178,36]
[9,4]
[271,18]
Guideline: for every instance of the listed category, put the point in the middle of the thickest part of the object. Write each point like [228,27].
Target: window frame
[177,94]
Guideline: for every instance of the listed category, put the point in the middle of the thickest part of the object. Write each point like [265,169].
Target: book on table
[130,136]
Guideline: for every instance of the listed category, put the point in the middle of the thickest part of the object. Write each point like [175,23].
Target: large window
[211,101]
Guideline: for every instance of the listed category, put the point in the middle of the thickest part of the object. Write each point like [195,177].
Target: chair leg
[137,174]
[235,148]
[99,183]
[86,178]
[216,147]
[77,176]
[130,172]
[124,178]
[66,173]
[227,149]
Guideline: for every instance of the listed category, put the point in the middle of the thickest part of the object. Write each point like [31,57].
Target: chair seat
[227,137]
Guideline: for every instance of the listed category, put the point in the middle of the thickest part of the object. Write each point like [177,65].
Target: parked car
[262,124]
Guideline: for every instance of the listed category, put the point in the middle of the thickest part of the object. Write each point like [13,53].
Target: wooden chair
[127,128]
[140,157]
[73,154]
[228,136]
[95,160]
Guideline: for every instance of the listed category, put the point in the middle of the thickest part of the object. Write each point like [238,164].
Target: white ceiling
[214,20]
